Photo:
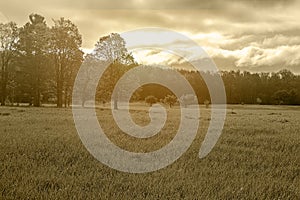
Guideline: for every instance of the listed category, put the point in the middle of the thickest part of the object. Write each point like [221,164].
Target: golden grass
[257,157]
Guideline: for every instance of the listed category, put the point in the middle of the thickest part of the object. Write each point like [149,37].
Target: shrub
[150,100]
[188,99]
[170,100]
[206,103]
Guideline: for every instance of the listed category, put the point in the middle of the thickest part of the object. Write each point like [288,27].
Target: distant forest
[280,88]
[38,65]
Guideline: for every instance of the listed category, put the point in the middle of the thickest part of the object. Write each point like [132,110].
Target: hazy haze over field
[248,35]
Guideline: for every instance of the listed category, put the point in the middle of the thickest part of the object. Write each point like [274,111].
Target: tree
[88,74]
[9,34]
[206,103]
[188,99]
[170,100]
[34,49]
[281,97]
[258,100]
[65,48]
[151,100]
[293,97]
[111,49]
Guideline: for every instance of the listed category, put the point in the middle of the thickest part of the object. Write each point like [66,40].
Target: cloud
[282,55]
[278,40]
[245,34]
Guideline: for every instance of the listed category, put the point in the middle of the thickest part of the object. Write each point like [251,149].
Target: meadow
[256,157]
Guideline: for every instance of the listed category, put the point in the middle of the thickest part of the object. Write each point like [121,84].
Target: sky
[252,35]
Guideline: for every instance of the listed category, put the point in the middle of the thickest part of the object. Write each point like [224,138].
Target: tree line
[39,64]
[274,88]
[277,88]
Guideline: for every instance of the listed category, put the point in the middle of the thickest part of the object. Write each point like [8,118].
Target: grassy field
[257,157]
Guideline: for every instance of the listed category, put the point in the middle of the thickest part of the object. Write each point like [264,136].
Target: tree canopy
[38,64]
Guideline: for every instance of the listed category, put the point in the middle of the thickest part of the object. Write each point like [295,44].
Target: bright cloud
[253,35]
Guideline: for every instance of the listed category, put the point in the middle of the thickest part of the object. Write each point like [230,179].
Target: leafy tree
[281,97]
[65,48]
[170,100]
[229,83]
[89,68]
[111,50]
[206,103]
[258,100]
[9,34]
[285,74]
[188,99]
[293,97]
[151,100]
[34,55]
[38,63]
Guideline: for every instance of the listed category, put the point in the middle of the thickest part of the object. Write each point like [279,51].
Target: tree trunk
[37,92]
[3,92]
[69,102]
[37,98]
[65,101]
[59,94]
[115,99]
[115,104]
[66,97]
[59,83]
[59,90]
[4,77]
[3,97]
